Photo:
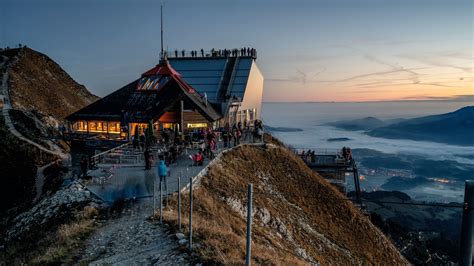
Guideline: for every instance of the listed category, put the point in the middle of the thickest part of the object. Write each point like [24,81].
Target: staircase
[227,77]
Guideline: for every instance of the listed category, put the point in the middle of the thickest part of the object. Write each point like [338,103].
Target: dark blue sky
[308,50]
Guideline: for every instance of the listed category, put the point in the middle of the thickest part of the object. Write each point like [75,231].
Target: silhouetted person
[84,166]
[202,52]
[148,159]
[175,53]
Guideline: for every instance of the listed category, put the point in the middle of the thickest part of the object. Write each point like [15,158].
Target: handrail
[96,159]
[318,151]
[222,53]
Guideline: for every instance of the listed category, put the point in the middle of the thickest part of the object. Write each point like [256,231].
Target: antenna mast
[162,53]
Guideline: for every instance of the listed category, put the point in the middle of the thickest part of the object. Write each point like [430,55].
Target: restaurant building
[180,93]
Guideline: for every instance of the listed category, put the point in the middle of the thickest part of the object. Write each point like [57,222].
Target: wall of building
[254,91]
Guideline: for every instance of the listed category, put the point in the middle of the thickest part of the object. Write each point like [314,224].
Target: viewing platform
[332,164]
[120,173]
[219,53]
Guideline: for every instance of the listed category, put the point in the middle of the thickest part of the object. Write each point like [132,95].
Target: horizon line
[375,101]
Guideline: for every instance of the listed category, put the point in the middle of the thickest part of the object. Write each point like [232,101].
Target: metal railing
[201,53]
[98,158]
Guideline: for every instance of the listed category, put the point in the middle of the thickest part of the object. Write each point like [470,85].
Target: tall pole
[162,54]
[190,213]
[467,223]
[154,198]
[179,201]
[161,202]
[182,119]
[249,225]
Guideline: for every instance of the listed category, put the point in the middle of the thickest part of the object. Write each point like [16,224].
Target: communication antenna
[162,52]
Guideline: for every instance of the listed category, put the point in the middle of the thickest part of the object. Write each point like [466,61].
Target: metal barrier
[98,158]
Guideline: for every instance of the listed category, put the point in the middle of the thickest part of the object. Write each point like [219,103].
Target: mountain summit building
[180,93]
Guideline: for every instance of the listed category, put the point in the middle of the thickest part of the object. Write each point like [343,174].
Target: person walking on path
[163,173]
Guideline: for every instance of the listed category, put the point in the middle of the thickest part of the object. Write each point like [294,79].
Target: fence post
[467,223]
[190,213]
[161,202]
[166,189]
[249,225]
[179,201]
[154,197]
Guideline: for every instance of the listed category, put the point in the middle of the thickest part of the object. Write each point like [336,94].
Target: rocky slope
[299,218]
[36,94]
[38,84]
[52,230]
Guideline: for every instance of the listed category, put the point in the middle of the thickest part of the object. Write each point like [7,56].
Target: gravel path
[132,239]
[8,121]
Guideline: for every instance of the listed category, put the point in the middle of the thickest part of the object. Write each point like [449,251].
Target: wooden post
[154,198]
[190,213]
[467,223]
[161,202]
[179,201]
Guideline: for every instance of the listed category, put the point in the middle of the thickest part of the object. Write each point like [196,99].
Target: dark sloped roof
[141,104]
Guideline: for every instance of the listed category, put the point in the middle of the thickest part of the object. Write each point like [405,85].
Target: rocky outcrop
[51,211]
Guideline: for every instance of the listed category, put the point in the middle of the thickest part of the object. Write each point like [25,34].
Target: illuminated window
[168,125]
[152,83]
[114,127]
[97,126]
[80,126]
[197,125]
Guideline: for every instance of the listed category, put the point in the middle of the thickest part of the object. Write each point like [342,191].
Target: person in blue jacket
[163,173]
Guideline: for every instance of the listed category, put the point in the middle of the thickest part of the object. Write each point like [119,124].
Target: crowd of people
[245,51]
[230,136]
[308,156]
[346,153]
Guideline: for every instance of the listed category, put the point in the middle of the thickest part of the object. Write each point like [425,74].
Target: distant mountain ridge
[366,123]
[455,128]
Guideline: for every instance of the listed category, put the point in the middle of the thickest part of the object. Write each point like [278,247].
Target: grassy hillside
[38,83]
[299,217]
